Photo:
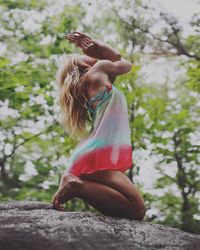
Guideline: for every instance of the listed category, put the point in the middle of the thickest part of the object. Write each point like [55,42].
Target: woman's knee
[139,210]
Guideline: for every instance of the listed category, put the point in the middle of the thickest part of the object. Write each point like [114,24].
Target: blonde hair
[71,96]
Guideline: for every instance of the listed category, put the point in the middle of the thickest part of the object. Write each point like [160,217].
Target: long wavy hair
[71,96]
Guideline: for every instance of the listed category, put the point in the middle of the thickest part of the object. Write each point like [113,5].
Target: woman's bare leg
[120,182]
[102,197]
[105,199]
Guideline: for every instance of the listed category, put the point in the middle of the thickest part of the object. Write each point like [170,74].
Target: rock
[28,225]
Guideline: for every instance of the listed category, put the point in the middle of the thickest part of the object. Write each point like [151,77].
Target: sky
[183,9]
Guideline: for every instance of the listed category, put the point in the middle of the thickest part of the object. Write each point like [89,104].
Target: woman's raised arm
[114,68]
[94,48]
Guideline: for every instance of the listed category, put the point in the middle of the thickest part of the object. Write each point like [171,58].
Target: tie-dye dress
[108,146]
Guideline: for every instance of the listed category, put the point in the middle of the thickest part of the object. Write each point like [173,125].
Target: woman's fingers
[72,37]
[79,36]
[88,42]
[77,32]
[75,41]
[81,40]
[82,35]
[80,43]
[84,42]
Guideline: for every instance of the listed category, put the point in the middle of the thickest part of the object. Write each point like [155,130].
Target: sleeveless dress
[108,146]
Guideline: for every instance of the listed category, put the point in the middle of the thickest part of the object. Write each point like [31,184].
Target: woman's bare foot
[66,191]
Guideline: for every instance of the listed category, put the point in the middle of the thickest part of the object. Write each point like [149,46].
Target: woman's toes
[67,190]
[57,204]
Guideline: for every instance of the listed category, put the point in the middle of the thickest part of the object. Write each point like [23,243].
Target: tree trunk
[186,213]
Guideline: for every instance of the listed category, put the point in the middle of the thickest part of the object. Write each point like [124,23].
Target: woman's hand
[84,42]
[81,40]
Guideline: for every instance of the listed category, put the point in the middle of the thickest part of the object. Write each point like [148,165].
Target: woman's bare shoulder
[99,65]
[97,79]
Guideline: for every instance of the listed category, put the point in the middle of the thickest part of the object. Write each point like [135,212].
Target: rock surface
[28,225]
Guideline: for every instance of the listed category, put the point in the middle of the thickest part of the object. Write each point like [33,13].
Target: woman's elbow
[129,66]
[116,58]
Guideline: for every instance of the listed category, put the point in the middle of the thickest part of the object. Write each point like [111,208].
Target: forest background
[162,41]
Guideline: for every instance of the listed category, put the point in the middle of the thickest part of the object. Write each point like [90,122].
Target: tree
[169,120]
[34,147]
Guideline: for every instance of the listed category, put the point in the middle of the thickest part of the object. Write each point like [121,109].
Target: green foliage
[24,4]
[194,76]
[170,124]
[34,148]
[37,147]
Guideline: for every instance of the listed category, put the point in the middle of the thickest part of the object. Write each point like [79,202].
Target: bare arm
[94,48]
[106,51]
[111,61]
[113,68]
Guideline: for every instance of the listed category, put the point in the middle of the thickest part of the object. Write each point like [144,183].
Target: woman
[87,96]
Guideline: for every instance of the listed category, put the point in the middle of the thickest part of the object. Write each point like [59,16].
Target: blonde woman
[94,111]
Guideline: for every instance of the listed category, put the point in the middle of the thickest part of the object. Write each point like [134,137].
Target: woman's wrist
[106,51]
[98,49]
